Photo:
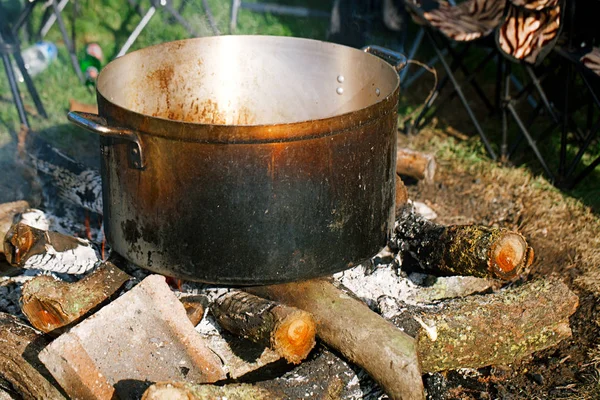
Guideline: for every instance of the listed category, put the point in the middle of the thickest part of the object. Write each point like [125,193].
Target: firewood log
[50,304]
[482,330]
[19,365]
[415,164]
[8,211]
[364,337]
[195,306]
[31,248]
[461,249]
[290,332]
[190,391]
[74,181]
[323,377]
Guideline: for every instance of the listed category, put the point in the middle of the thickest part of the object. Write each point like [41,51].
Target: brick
[144,336]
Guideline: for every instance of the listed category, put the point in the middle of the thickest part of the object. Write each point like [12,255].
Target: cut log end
[294,337]
[509,255]
[18,241]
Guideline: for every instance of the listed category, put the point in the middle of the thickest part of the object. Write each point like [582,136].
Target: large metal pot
[247,159]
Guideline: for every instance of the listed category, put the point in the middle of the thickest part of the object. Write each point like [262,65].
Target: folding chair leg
[136,31]
[565,123]
[14,89]
[463,100]
[504,68]
[70,45]
[182,21]
[29,83]
[235,9]
[530,140]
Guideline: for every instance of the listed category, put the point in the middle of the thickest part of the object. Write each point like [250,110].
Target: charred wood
[32,248]
[74,182]
[348,325]
[323,377]
[19,365]
[50,304]
[8,212]
[474,250]
[498,328]
[290,332]
[415,164]
[195,306]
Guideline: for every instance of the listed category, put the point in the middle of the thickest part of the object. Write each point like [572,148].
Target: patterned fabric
[528,35]
[534,4]
[592,60]
[468,20]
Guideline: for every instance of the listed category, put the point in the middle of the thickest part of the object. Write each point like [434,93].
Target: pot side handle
[397,60]
[98,125]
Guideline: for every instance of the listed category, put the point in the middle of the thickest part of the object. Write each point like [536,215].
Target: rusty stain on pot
[213,170]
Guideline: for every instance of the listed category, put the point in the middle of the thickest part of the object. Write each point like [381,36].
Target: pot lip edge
[246,134]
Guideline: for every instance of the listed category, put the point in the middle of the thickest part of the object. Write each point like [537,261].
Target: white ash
[66,225]
[424,210]
[387,283]
[83,189]
[78,260]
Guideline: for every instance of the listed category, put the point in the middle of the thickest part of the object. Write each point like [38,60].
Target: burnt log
[32,248]
[195,306]
[19,365]
[415,164]
[50,304]
[74,181]
[323,377]
[482,330]
[8,212]
[349,326]
[288,331]
[474,250]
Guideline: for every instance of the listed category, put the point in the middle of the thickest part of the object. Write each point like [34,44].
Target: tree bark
[32,248]
[474,250]
[19,364]
[365,338]
[50,304]
[415,164]
[497,328]
[290,332]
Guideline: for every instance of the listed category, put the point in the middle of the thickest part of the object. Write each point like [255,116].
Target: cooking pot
[247,159]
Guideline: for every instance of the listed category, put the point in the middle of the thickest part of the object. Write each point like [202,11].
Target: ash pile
[80,322]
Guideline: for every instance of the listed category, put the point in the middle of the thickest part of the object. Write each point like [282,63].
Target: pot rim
[120,116]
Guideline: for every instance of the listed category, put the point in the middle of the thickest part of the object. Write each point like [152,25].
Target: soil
[564,234]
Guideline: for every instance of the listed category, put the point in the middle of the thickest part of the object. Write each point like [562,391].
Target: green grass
[109,23]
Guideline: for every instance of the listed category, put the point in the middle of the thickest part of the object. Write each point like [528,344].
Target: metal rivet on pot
[340,78]
[339,90]
[377,92]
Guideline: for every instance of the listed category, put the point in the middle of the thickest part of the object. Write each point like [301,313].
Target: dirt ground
[566,238]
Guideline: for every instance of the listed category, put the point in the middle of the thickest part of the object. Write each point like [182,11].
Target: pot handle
[98,125]
[397,60]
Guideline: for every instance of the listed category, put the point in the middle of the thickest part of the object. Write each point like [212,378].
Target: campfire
[87,326]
